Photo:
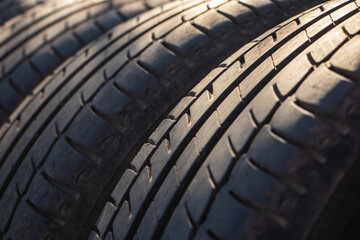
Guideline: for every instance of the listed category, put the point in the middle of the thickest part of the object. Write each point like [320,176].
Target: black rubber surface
[257,148]
[33,45]
[66,146]
[12,8]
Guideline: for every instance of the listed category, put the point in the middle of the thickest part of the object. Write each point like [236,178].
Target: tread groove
[281,221]
[46,215]
[136,98]
[69,191]
[347,74]
[319,157]
[233,20]
[336,123]
[178,52]
[88,153]
[108,119]
[151,71]
[213,235]
[279,176]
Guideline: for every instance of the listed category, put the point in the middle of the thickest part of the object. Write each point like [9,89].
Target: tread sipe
[66,146]
[256,149]
[34,44]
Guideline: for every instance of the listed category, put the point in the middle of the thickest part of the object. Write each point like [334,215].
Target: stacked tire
[184,119]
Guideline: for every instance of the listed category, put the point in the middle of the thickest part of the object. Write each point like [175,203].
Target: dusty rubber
[257,148]
[63,144]
[34,44]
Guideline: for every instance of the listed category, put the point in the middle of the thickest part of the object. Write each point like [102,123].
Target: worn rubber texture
[34,44]
[65,147]
[12,8]
[257,148]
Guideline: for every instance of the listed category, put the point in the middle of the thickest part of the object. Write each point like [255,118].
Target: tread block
[207,131]
[255,79]
[160,131]
[219,160]
[133,9]
[179,226]
[122,222]
[287,79]
[161,62]
[42,188]
[301,126]
[136,80]
[139,160]
[290,47]
[218,25]
[148,224]
[81,133]
[55,30]
[265,8]
[160,159]
[108,95]
[223,208]
[66,45]
[166,192]
[25,77]
[29,218]
[226,79]
[232,101]
[105,217]
[9,95]
[254,185]
[341,58]
[8,203]
[263,105]
[122,186]
[246,19]
[337,15]
[109,20]
[189,40]
[12,60]
[140,189]
[34,44]
[201,105]
[87,32]
[179,131]
[281,157]
[180,108]
[77,18]
[240,132]
[45,60]
[325,91]
[198,194]
[187,160]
